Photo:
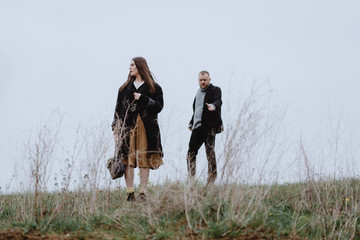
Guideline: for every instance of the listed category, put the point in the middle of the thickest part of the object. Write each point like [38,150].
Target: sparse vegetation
[247,202]
[174,210]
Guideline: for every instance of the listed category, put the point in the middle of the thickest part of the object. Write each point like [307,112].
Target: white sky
[73,55]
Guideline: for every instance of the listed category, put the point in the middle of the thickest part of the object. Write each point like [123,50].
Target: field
[190,210]
[53,198]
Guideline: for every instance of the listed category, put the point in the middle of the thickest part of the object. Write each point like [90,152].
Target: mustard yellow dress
[138,154]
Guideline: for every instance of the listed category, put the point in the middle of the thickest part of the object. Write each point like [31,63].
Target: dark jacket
[211,119]
[148,106]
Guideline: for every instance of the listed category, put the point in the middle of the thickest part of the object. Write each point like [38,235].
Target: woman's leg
[129,179]
[144,179]
[129,176]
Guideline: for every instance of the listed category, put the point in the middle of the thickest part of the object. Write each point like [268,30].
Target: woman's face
[133,70]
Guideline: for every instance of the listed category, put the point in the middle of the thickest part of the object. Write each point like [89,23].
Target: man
[205,124]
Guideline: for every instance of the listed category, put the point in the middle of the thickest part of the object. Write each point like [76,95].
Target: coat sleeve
[191,123]
[117,110]
[154,103]
[217,98]
[118,105]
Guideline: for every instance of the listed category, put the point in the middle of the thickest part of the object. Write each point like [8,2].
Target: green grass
[310,210]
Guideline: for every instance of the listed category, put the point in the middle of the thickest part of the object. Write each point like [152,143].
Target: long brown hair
[144,72]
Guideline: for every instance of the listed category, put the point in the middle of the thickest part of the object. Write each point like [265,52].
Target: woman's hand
[116,136]
[137,95]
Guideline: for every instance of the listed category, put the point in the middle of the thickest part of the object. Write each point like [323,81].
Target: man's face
[204,80]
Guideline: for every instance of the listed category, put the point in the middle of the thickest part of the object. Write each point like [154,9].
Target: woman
[136,127]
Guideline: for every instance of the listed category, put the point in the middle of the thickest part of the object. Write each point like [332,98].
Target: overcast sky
[73,56]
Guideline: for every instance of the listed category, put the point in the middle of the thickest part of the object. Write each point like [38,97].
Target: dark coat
[211,119]
[148,106]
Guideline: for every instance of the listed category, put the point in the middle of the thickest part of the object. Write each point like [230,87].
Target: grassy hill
[190,210]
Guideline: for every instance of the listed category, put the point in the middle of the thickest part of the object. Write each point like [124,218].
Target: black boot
[142,197]
[131,197]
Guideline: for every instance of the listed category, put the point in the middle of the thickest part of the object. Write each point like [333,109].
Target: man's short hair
[204,72]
